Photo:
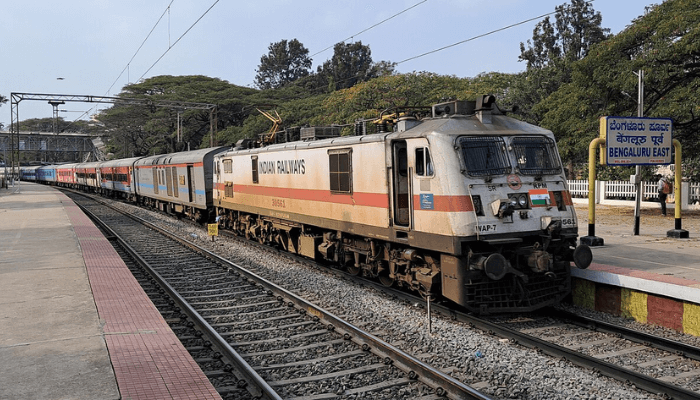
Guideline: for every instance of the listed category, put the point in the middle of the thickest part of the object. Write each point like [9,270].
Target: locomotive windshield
[536,155]
[484,155]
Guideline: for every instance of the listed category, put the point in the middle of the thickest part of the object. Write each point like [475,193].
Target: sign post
[213,230]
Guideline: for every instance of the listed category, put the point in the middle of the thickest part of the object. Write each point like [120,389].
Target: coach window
[255,168]
[340,168]
[424,165]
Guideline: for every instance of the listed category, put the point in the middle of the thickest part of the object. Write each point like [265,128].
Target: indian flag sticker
[539,197]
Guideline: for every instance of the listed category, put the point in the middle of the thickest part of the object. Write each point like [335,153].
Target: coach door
[401,188]
[190,181]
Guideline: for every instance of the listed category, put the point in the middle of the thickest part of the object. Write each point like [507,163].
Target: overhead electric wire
[476,37]
[464,41]
[170,46]
[485,34]
[167,9]
[178,39]
[373,26]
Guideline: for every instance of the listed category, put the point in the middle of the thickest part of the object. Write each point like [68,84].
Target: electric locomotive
[467,204]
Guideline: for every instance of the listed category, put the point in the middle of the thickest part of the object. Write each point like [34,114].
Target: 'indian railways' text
[282,167]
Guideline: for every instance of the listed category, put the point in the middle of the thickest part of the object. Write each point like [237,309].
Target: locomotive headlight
[522,200]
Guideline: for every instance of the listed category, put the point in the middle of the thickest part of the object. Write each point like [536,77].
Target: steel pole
[638,168]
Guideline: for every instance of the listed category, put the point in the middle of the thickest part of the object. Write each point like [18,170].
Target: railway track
[200,345]
[275,344]
[653,363]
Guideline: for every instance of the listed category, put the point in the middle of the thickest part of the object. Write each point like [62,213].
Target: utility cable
[373,26]
[476,37]
[485,34]
[178,39]
[170,46]
[167,10]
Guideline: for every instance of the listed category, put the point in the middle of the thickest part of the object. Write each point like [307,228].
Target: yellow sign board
[213,229]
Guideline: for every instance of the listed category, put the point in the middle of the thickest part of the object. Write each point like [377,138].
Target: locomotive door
[190,183]
[401,185]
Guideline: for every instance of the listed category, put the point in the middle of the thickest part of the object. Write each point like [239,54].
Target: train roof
[121,162]
[66,166]
[298,145]
[459,125]
[92,164]
[180,157]
[453,125]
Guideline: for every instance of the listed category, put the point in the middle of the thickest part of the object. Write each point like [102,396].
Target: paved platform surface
[74,323]
[656,278]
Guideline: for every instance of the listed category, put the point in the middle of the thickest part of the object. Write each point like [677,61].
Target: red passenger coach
[86,176]
[116,178]
[65,175]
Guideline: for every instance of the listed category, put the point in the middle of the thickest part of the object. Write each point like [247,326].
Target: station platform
[650,277]
[74,323]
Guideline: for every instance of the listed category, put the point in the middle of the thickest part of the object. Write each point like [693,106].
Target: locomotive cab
[494,202]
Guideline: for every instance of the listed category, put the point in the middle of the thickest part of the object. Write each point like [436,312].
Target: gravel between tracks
[494,366]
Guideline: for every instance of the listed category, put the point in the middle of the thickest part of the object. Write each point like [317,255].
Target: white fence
[624,190]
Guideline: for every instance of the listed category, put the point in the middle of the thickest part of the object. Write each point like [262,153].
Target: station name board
[636,141]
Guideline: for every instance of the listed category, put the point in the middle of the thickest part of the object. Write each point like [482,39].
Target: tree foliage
[552,51]
[576,28]
[418,89]
[286,62]
[665,43]
[352,63]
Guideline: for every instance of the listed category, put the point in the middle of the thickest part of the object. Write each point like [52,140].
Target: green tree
[576,28]
[351,63]
[552,51]
[665,43]
[285,63]
[415,90]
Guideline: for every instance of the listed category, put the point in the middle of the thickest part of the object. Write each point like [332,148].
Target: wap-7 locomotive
[468,205]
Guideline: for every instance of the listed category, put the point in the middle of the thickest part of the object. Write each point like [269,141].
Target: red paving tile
[149,361]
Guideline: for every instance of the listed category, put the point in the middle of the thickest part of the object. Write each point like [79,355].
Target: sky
[90,44]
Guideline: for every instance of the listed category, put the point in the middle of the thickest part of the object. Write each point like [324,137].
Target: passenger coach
[116,178]
[177,182]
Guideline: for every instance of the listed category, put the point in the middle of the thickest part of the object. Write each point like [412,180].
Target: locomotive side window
[340,169]
[536,155]
[484,155]
[255,168]
[424,165]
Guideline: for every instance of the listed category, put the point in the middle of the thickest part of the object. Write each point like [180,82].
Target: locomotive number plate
[486,228]
[279,203]
[567,222]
